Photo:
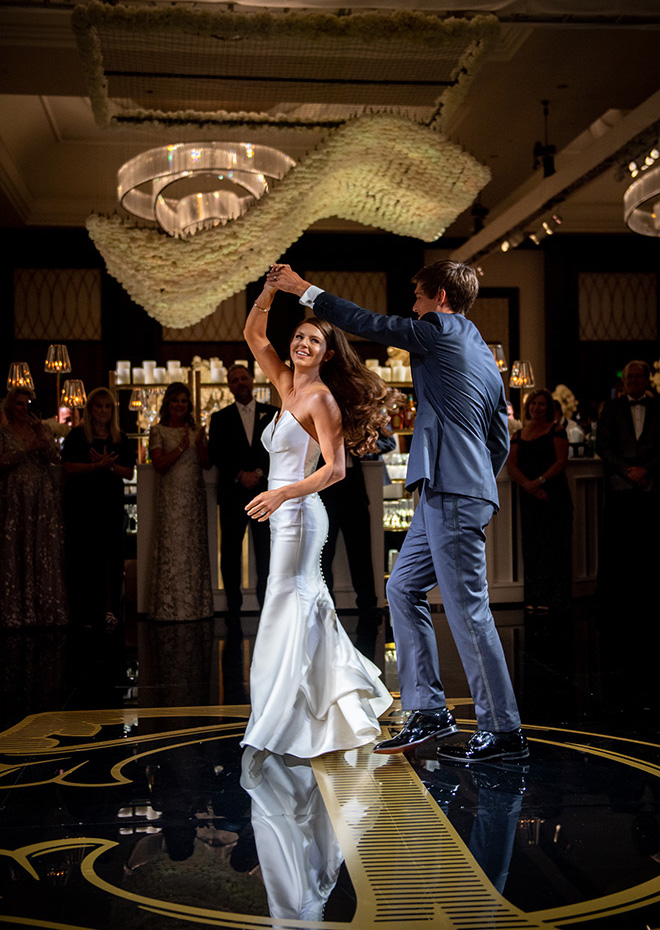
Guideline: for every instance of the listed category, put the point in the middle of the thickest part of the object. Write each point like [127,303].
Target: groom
[460,443]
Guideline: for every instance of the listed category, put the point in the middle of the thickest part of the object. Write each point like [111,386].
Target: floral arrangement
[655,377]
[380,170]
[567,399]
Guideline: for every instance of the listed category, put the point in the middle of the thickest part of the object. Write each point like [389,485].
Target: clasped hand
[535,489]
[102,459]
[284,278]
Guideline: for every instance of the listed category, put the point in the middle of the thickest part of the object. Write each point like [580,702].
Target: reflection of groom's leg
[494,830]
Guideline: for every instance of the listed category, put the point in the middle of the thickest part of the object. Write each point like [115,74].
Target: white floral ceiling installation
[380,170]
[383,165]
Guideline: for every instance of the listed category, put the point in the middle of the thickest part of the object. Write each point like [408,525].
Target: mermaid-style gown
[311,690]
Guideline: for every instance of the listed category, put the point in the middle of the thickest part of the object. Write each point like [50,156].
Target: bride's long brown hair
[365,401]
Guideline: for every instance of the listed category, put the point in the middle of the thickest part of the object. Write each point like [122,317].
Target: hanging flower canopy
[384,161]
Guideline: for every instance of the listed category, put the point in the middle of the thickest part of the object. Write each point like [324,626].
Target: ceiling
[595,64]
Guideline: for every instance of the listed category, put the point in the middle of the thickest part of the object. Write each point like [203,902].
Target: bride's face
[308,347]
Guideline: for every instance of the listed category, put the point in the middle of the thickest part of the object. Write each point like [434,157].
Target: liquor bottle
[411,412]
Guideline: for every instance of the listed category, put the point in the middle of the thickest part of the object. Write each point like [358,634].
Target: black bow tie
[638,403]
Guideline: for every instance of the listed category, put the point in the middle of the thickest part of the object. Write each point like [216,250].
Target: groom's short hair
[457,280]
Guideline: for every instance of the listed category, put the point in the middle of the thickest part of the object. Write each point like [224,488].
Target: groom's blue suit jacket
[461,439]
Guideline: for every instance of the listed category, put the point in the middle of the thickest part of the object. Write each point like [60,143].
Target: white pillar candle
[124,366]
[259,375]
[122,377]
[386,373]
[407,376]
[372,363]
[216,373]
[138,376]
[241,361]
[160,375]
[398,373]
[149,368]
[173,365]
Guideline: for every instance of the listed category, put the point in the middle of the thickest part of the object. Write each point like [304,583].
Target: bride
[311,691]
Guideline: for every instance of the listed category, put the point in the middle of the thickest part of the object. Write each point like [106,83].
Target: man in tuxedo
[460,442]
[347,505]
[628,442]
[235,448]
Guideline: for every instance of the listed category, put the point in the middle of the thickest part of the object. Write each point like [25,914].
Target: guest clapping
[97,458]
[537,462]
[181,573]
[31,534]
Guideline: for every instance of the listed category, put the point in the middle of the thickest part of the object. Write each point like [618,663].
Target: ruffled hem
[334,704]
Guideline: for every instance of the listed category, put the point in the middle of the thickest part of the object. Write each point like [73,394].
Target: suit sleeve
[498,437]
[412,335]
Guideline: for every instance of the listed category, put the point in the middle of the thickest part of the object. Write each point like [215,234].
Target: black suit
[629,548]
[232,453]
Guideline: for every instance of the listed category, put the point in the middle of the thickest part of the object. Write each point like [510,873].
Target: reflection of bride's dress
[311,690]
[298,851]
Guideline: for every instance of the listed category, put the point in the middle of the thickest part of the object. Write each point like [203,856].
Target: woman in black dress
[537,463]
[97,457]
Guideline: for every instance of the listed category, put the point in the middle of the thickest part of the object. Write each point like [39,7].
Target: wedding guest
[181,571]
[537,463]
[235,448]
[32,590]
[97,459]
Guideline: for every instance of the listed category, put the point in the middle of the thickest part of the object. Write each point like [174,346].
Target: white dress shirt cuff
[310,295]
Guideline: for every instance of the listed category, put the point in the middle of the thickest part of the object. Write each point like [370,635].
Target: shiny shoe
[484,746]
[419,727]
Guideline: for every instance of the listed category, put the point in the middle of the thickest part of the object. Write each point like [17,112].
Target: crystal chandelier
[192,186]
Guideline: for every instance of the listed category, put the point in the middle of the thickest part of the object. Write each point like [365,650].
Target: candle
[173,366]
[372,363]
[386,373]
[259,375]
[122,377]
[160,375]
[138,376]
[124,366]
[398,373]
[149,368]
[241,361]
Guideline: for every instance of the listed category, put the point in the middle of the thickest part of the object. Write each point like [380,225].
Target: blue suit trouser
[446,545]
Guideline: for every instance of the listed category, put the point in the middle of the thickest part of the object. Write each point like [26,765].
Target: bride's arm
[260,346]
[326,419]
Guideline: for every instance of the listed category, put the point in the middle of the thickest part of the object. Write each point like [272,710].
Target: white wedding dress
[311,690]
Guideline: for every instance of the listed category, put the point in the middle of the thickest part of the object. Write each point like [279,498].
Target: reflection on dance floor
[149,815]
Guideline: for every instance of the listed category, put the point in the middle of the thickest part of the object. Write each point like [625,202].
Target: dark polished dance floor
[127,802]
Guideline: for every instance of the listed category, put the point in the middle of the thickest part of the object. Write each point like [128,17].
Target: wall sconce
[19,376]
[73,394]
[498,355]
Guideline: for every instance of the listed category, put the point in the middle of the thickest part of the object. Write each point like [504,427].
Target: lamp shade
[498,355]
[522,375]
[19,376]
[57,360]
[137,399]
[73,394]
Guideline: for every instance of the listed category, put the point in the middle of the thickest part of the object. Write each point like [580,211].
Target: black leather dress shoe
[484,746]
[419,727]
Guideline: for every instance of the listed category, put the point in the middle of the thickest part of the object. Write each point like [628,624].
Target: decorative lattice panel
[225,325]
[618,306]
[57,304]
[364,288]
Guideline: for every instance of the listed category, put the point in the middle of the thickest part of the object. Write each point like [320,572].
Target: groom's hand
[285,279]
